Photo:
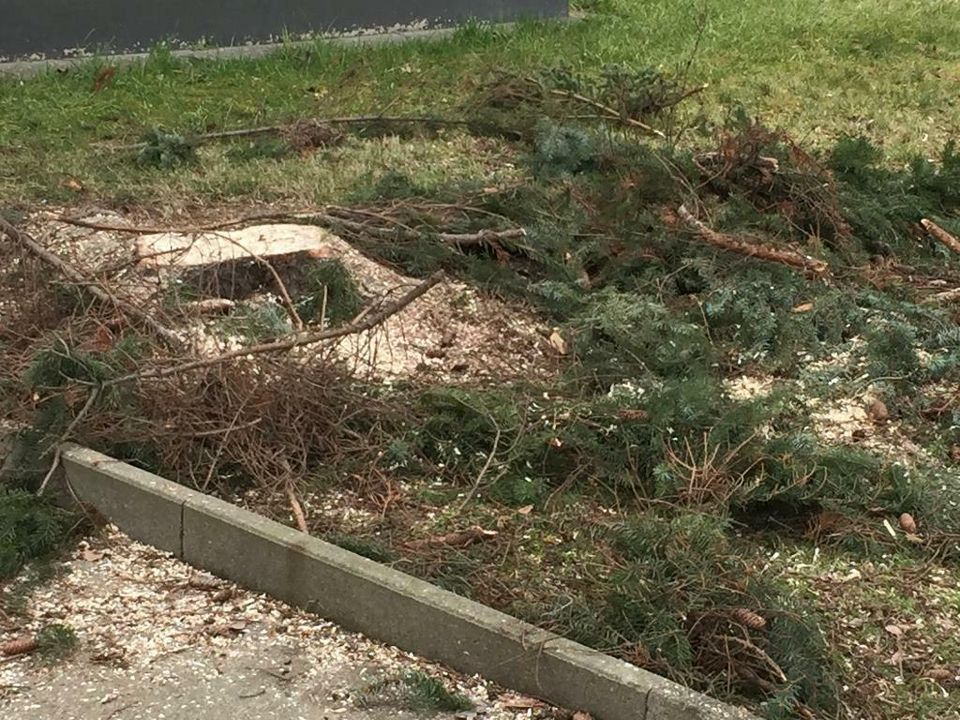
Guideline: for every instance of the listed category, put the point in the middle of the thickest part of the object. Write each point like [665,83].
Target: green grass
[887,69]
[57,642]
[413,690]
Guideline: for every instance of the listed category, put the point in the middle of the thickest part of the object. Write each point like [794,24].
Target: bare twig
[91,399]
[156,229]
[281,287]
[741,247]
[208,306]
[116,711]
[608,112]
[168,336]
[486,465]
[289,343]
[484,236]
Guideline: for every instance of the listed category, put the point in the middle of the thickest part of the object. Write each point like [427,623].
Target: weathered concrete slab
[391,606]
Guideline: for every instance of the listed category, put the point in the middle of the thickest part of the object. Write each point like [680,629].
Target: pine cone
[749,619]
[19,647]
[908,524]
[204,583]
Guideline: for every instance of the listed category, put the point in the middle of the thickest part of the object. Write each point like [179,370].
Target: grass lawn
[886,69]
[731,472]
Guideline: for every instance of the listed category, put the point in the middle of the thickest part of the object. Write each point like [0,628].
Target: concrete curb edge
[27,68]
[378,601]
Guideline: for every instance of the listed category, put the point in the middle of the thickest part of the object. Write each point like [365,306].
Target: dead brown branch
[941,235]
[277,129]
[208,306]
[389,228]
[55,463]
[484,236]
[168,336]
[750,249]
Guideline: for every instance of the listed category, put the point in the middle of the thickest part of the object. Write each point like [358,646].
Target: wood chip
[557,342]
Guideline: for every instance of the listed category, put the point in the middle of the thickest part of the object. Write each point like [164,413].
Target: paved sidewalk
[161,641]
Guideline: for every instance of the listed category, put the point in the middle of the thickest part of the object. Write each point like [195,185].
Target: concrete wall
[52,27]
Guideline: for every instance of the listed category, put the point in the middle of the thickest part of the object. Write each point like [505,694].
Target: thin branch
[754,250]
[157,230]
[608,112]
[947,296]
[91,399]
[275,129]
[296,340]
[281,287]
[941,235]
[168,336]
[486,465]
[323,218]
[483,236]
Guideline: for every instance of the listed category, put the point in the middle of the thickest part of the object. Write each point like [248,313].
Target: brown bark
[750,249]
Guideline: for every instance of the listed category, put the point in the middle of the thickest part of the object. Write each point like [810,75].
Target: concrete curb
[27,68]
[378,601]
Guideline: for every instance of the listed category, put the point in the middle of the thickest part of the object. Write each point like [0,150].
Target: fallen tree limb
[323,218]
[208,306]
[168,336]
[370,321]
[748,249]
[288,305]
[275,129]
[941,235]
[185,230]
[484,236]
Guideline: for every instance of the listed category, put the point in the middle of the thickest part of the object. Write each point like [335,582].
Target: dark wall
[52,26]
